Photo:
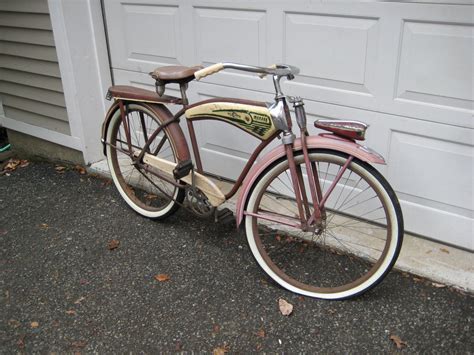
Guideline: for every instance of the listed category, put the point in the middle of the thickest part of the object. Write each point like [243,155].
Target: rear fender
[173,129]
[323,141]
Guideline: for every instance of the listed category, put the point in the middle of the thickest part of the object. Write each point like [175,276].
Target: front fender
[323,141]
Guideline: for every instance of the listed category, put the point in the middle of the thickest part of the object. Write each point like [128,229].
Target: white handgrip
[262,75]
[212,69]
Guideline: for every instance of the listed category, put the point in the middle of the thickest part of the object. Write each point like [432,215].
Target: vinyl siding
[30,80]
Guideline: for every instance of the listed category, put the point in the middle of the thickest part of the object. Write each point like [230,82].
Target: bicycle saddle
[175,74]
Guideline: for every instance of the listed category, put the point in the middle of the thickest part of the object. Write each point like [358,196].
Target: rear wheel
[144,192]
[351,250]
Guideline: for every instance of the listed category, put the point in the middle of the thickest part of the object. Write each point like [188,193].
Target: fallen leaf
[43,226]
[14,323]
[80,169]
[331,311]
[34,324]
[79,344]
[21,342]
[398,342]
[278,238]
[24,163]
[221,350]
[438,285]
[417,279]
[285,307]
[71,312]
[444,250]
[162,277]
[11,165]
[301,298]
[60,169]
[261,333]
[79,300]
[113,244]
[151,196]
[216,328]
[259,347]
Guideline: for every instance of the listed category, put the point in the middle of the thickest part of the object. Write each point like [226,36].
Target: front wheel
[350,251]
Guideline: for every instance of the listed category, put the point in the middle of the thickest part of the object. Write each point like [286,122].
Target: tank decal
[256,120]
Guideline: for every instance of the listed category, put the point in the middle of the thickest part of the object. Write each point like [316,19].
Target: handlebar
[278,70]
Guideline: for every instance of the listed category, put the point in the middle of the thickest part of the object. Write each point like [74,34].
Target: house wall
[31,91]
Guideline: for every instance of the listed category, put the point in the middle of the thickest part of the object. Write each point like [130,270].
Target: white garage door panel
[421,57]
[144,34]
[415,159]
[218,31]
[435,71]
[341,51]
[406,69]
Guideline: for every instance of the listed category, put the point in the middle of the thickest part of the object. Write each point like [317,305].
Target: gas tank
[255,120]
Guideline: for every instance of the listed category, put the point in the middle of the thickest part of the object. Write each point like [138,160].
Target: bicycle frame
[281,122]
[311,201]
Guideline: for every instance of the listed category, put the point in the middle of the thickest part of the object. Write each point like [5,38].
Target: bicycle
[319,219]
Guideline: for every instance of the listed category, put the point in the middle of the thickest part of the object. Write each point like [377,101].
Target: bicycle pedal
[224,215]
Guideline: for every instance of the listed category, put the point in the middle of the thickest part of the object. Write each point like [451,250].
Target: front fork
[307,218]
[317,219]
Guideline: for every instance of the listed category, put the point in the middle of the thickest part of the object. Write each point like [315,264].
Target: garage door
[404,68]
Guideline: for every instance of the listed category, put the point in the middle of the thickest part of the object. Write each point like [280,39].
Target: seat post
[183,87]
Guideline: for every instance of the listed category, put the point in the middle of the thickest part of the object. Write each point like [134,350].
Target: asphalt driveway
[82,272]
